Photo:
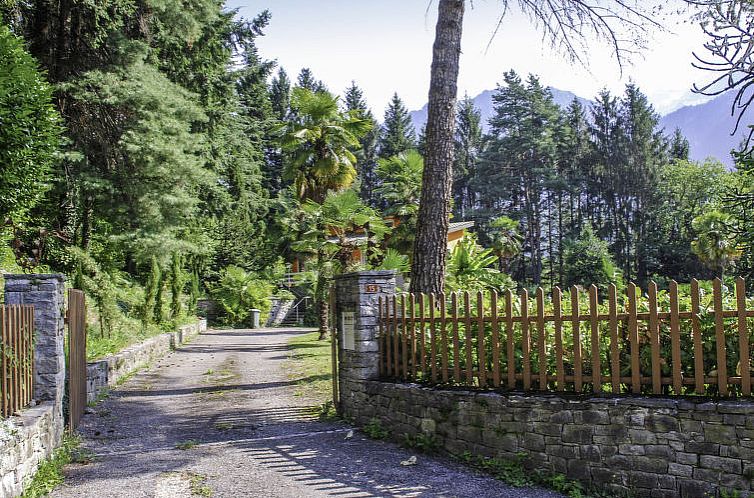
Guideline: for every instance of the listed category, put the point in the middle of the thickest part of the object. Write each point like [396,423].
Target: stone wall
[649,446]
[29,437]
[635,446]
[106,373]
[25,441]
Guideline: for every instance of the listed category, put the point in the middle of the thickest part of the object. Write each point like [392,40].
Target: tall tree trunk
[431,245]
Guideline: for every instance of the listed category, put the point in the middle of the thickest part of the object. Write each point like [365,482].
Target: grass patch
[197,486]
[310,366]
[50,472]
[186,445]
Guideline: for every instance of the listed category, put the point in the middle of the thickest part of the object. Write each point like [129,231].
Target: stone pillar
[356,311]
[46,292]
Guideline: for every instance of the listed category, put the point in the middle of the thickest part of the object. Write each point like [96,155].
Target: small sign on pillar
[372,288]
[349,331]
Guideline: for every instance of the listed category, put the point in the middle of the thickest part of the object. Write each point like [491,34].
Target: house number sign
[372,288]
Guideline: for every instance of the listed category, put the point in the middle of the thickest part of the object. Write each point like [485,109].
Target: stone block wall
[650,447]
[30,437]
[106,373]
[636,446]
[26,441]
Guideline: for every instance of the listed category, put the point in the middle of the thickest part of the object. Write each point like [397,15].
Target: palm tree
[506,241]
[327,231]
[400,187]
[714,244]
[318,141]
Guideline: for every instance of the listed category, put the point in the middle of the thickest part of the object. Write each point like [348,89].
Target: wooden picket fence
[630,343]
[17,357]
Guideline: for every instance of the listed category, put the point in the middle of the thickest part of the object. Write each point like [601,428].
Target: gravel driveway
[218,418]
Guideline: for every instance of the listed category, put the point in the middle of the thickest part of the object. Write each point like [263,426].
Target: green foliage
[238,291]
[397,134]
[469,268]
[425,443]
[393,260]
[319,140]
[151,291]
[176,286]
[715,244]
[98,284]
[505,240]
[49,475]
[400,180]
[587,261]
[193,291]
[375,430]
[159,304]
[30,130]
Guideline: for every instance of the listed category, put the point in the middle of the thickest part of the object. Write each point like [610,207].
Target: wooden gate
[16,357]
[76,357]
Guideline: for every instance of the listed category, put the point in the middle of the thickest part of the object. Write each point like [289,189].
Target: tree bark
[430,247]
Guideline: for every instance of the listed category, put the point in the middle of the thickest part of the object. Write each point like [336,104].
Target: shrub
[587,261]
[30,131]
[238,292]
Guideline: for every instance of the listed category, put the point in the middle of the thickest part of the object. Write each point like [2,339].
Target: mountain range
[707,126]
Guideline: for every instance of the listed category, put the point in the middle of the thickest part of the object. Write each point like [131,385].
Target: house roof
[459,225]
[361,239]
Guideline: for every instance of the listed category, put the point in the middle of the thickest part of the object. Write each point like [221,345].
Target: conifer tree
[398,134]
[367,155]
[280,94]
[468,146]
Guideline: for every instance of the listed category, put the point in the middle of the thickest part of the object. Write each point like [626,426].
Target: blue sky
[385,46]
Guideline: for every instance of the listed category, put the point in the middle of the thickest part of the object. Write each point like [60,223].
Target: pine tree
[468,146]
[367,155]
[280,94]
[307,80]
[398,134]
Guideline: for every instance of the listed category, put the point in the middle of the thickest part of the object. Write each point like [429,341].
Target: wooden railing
[660,342]
[17,357]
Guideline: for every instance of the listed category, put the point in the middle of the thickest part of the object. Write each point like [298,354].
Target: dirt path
[218,418]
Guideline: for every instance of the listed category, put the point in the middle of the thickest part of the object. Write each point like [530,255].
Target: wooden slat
[525,339]
[5,379]
[421,339]
[557,300]
[654,337]
[633,335]
[481,346]
[412,311]
[404,339]
[697,338]
[14,348]
[467,335]
[443,340]
[595,330]
[396,339]
[675,338]
[576,326]
[495,340]
[511,363]
[456,341]
[722,366]
[612,298]
[432,338]
[743,338]
[542,339]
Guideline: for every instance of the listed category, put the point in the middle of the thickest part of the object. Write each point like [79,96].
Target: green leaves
[29,129]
